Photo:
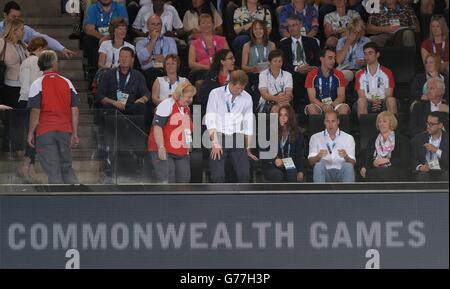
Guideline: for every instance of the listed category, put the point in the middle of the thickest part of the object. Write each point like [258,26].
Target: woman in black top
[387,155]
[288,165]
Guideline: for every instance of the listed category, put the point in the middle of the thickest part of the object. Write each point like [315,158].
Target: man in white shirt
[168,13]
[229,120]
[332,152]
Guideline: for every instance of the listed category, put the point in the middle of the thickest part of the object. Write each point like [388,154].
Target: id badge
[288,164]
[158,64]
[187,136]
[122,97]
[104,31]
[327,100]
[434,164]
[394,22]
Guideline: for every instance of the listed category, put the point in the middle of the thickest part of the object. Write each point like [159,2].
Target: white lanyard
[126,80]
[368,78]
[233,102]
[282,144]
[330,84]
[351,51]
[269,73]
[333,143]
[114,53]
[258,60]
[442,49]
[206,48]
[161,45]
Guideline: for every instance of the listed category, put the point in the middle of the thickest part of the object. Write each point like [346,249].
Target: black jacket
[418,83]
[418,151]
[399,156]
[311,48]
[418,118]
[211,82]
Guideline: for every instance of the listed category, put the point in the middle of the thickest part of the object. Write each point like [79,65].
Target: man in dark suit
[301,55]
[429,150]
[418,118]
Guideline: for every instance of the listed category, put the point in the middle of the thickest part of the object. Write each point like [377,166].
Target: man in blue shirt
[96,25]
[11,11]
[151,51]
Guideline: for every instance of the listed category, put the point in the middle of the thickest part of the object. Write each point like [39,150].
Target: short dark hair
[440,115]
[324,50]
[293,17]
[11,5]
[275,53]
[372,45]
[126,48]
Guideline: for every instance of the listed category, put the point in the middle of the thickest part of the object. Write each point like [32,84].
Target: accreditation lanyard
[126,80]
[442,53]
[172,85]
[113,62]
[202,40]
[275,81]
[352,51]
[368,79]
[330,86]
[282,144]
[230,104]
[161,46]
[102,16]
[430,155]
[258,59]
[331,145]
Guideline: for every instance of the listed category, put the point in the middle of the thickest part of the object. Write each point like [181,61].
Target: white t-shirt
[274,86]
[112,53]
[322,141]
[170,18]
[165,88]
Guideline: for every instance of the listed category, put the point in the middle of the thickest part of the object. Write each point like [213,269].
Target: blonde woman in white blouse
[29,72]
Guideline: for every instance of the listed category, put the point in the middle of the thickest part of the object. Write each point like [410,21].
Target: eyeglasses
[230,58]
[429,124]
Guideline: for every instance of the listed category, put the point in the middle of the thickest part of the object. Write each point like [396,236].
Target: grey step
[69,64]
[80,85]
[40,8]
[70,44]
[73,75]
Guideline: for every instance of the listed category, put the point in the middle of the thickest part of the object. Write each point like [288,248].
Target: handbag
[2,66]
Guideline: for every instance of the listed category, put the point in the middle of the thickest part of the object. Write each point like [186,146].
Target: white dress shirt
[229,117]
[322,141]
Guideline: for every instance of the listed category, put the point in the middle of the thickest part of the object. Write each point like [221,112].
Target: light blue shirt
[30,33]
[354,53]
[164,45]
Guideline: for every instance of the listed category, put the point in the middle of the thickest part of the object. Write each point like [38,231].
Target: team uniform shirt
[322,141]
[112,53]
[229,116]
[326,87]
[274,85]
[101,19]
[374,86]
[177,126]
[55,96]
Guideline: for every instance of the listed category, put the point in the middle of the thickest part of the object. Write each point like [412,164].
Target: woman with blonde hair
[387,155]
[29,72]
[13,52]
[170,138]
[349,49]
[438,41]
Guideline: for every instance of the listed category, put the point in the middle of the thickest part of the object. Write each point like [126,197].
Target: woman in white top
[275,85]
[163,87]
[109,49]
[29,72]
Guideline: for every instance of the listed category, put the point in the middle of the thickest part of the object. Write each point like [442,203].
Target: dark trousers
[30,152]
[389,174]
[150,75]
[432,176]
[90,50]
[12,138]
[300,97]
[237,156]
[277,175]
[175,169]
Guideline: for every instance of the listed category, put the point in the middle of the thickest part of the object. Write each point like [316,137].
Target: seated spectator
[202,49]
[388,154]
[393,19]
[275,85]
[13,53]
[350,53]
[417,120]
[438,42]
[217,76]
[96,26]
[170,138]
[427,9]
[29,72]
[244,16]
[332,152]
[123,87]
[109,49]
[300,56]
[11,11]
[197,8]
[164,86]
[229,120]
[255,53]
[54,118]
[169,17]
[307,15]
[419,89]
[429,150]
[152,50]
[326,86]
[288,165]
[335,23]
[374,84]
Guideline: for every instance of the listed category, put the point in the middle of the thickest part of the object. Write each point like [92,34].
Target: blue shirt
[164,45]
[100,19]
[30,33]
[354,53]
[325,86]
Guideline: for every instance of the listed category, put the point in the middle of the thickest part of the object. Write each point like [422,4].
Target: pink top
[203,55]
